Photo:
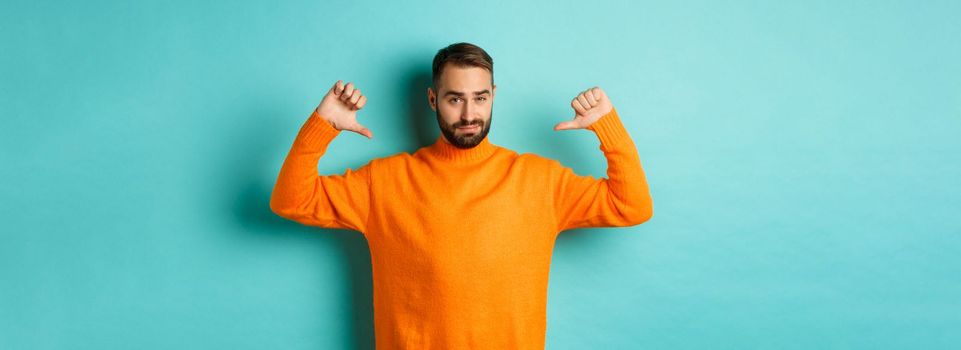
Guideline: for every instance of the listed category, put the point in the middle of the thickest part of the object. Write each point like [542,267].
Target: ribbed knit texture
[461,239]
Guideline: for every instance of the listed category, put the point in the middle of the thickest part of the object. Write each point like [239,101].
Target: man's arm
[333,201]
[621,199]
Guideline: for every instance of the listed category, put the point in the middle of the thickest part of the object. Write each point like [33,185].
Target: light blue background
[803,159]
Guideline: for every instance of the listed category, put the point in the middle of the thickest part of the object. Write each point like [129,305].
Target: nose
[467,115]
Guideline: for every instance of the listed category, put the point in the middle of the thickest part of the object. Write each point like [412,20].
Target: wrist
[323,118]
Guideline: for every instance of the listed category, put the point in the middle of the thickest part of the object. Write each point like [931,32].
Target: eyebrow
[458,93]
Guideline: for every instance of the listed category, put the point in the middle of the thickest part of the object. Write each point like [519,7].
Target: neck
[443,149]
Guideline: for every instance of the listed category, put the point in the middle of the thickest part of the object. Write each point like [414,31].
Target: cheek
[449,116]
[449,112]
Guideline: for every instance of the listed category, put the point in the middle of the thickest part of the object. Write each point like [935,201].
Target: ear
[431,97]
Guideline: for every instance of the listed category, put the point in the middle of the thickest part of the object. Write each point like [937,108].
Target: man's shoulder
[391,160]
[537,160]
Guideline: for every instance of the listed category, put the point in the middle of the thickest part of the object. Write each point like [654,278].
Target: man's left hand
[589,106]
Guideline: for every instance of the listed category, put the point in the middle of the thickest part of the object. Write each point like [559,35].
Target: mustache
[460,125]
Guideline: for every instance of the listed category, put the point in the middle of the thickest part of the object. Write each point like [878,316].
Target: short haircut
[462,55]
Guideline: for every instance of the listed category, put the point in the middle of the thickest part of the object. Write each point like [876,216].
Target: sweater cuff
[610,130]
[317,132]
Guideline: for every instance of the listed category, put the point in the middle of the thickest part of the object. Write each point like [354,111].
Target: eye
[482,98]
[453,99]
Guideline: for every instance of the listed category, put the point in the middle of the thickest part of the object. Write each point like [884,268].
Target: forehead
[464,78]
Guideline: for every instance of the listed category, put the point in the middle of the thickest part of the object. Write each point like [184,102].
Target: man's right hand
[340,106]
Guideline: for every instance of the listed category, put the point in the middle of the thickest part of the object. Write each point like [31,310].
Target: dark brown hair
[462,55]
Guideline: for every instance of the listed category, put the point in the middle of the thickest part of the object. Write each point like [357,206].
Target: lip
[469,128]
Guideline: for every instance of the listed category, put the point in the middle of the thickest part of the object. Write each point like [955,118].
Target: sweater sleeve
[332,201]
[621,199]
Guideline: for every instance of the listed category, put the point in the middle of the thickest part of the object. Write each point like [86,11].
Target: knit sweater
[461,239]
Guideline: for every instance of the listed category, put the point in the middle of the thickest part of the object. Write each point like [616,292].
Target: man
[461,232]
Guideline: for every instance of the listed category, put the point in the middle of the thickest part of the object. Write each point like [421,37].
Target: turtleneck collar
[448,152]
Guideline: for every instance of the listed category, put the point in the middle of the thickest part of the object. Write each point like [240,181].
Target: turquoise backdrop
[804,159]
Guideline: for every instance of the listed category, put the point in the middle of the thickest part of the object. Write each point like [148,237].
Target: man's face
[463,103]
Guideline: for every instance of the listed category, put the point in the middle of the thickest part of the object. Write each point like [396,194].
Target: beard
[464,141]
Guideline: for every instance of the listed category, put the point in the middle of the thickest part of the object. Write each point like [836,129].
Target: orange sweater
[461,240]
